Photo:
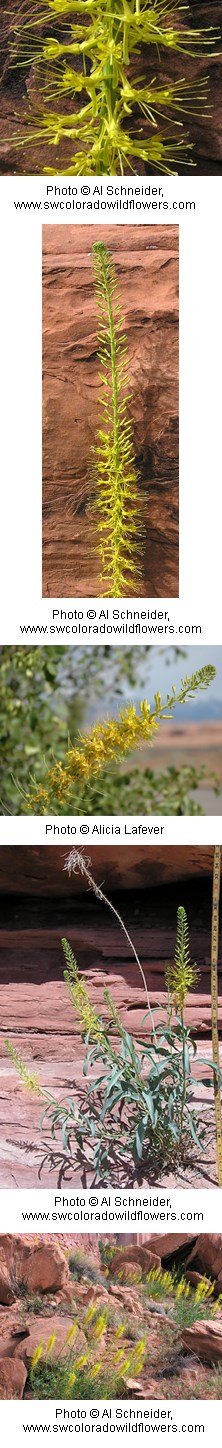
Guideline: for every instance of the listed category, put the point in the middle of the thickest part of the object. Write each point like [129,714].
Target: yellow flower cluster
[30,1079]
[108,742]
[182,975]
[95,750]
[88,1019]
[164,1280]
[119,1363]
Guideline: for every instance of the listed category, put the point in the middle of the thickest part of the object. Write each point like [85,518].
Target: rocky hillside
[143,1320]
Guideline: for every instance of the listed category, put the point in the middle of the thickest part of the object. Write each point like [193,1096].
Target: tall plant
[117,506]
[117,120]
[137,1114]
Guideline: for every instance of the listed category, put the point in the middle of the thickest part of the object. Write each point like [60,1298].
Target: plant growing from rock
[138,1114]
[82,1376]
[188,1305]
[117,506]
[118,122]
[65,783]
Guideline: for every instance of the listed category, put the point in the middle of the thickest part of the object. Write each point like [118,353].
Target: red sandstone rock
[194,1278]
[133,1257]
[127,1298]
[167,1243]
[13,1376]
[6,1292]
[208,1250]
[40,1267]
[40,1332]
[47,1270]
[204,1339]
[37,872]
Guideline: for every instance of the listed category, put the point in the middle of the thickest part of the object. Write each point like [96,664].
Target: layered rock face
[146,263]
[39,872]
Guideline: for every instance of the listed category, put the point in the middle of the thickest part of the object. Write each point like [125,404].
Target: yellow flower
[50,1343]
[81,1361]
[37,1354]
[100,1326]
[72,1332]
[90,1313]
[118,1356]
[204,1289]
[95,1370]
[30,1079]
[182,1289]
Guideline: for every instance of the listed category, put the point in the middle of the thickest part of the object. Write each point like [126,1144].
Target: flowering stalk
[117,506]
[95,69]
[180,977]
[107,742]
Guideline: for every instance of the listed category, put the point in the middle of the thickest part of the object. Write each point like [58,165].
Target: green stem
[116,426]
[184,1085]
[76,860]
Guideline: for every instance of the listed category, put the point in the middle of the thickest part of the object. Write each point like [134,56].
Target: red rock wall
[39,870]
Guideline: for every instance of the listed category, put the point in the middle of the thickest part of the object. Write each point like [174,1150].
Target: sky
[164,670]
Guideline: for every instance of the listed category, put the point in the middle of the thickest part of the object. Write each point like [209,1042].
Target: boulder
[13,1376]
[42,1329]
[166,1244]
[130,1272]
[208,1251]
[194,1278]
[127,1299]
[7,1296]
[39,1266]
[47,1269]
[137,1257]
[86,1294]
[205,1340]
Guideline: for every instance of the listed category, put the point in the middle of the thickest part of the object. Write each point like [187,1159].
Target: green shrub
[82,1266]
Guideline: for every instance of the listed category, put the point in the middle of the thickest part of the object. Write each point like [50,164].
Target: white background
[101,1209]
[201,830]
[14,1415]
